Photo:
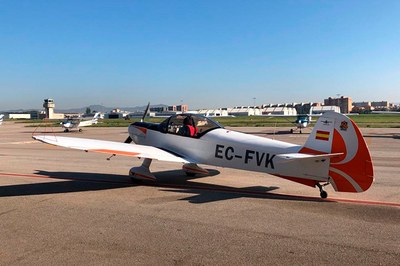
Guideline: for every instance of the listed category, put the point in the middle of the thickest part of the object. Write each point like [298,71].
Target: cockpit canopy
[175,123]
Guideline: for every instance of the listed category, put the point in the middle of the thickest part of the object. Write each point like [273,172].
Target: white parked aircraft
[335,152]
[300,121]
[71,123]
[1,118]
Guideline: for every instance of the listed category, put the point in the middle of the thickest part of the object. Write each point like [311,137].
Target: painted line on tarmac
[66,178]
[19,142]
[218,189]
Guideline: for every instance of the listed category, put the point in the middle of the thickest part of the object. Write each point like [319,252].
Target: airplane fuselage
[70,124]
[226,148]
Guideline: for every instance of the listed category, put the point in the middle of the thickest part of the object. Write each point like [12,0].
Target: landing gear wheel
[80,130]
[324,194]
[136,181]
[291,131]
[190,174]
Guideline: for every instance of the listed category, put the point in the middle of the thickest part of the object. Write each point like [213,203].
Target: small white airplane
[302,120]
[335,152]
[71,123]
[1,118]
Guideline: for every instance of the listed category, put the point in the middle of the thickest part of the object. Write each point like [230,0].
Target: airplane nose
[131,130]
[137,133]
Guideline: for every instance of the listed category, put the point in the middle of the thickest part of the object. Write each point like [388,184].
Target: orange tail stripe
[341,183]
[360,168]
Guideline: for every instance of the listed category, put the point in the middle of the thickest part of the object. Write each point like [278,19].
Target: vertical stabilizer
[336,133]
[95,117]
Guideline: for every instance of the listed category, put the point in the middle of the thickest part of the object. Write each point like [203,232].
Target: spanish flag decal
[322,135]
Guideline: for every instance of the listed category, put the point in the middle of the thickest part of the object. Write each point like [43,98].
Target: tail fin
[336,133]
[95,117]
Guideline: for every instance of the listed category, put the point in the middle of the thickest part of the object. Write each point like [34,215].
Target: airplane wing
[111,147]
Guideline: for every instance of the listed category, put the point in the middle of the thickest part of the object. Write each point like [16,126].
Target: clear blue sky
[203,53]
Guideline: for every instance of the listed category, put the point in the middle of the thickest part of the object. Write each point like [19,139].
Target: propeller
[145,112]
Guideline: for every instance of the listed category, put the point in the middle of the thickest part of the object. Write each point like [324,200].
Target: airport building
[213,112]
[382,105]
[17,116]
[183,108]
[316,110]
[370,106]
[279,111]
[115,114]
[300,108]
[243,111]
[49,106]
[345,103]
[360,107]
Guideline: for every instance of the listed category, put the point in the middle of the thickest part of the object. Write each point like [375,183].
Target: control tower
[49,108]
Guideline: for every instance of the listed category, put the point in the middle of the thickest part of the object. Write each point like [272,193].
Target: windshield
[201,124]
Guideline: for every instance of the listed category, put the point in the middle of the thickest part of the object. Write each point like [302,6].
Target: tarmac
[62,206]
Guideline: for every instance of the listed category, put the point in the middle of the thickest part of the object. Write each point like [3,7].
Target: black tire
[136,181]
[291,131]
[324,194]
[190,174]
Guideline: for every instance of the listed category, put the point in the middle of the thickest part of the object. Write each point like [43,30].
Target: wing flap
[111,147]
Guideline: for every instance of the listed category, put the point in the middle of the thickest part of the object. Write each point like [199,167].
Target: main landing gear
[191,169]
[142,172]
[323,193]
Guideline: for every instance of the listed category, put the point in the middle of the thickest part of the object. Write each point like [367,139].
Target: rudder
[336,133]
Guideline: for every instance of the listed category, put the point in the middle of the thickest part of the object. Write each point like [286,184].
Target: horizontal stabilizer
[304,156]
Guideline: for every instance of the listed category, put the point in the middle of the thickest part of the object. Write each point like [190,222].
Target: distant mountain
[104,109]
[18,110]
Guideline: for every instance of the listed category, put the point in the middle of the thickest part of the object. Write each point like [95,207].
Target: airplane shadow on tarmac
[171,181]
[384,136]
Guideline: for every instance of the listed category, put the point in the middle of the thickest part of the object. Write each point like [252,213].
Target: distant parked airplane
[71,123]
[302,120]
